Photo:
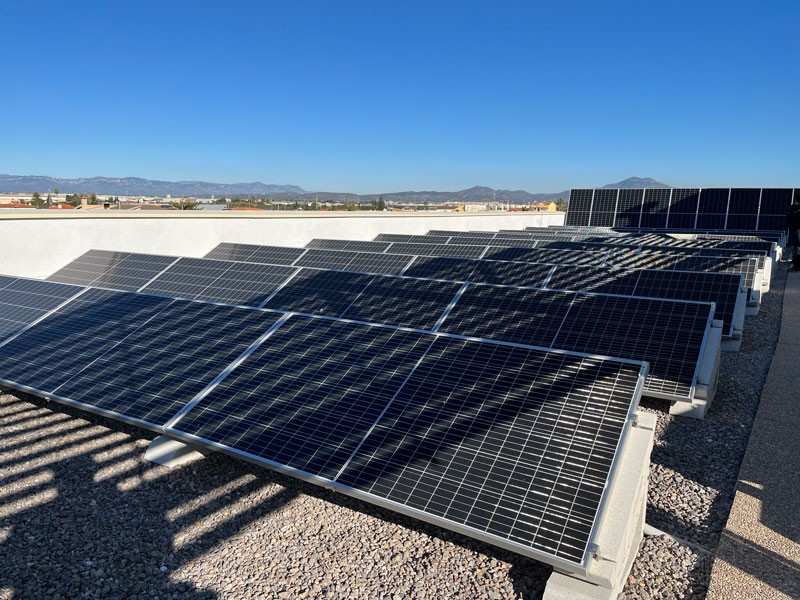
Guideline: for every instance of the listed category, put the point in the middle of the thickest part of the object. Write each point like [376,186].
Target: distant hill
[473,194]
[638,182]
[133,186]
[139,186]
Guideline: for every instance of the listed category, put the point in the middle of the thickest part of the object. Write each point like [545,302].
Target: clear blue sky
[379,97]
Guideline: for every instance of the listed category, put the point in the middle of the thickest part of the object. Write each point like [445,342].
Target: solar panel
[326,259]
[388,264]
[655,207]
[483,235]
[737,209]
[748,267]
[720,288]
[319,292]
[629,208]
[510,273]
[157,369]
[451,269]
[403,302]
[355,245]
[276,255]
[23,301]
[683,207]
[771,222]
[594,279]
[402,237]
[508,314]
[241,283]
[604,206]
[580,207]
[457,251]
[514,235]
[614,246]
[309,394]
[512,443]
[546,255]
[112,270]
[58,347]
[228,251]
[744,201]
[668,334]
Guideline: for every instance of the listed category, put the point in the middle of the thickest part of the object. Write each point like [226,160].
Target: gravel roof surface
[82,515]
[695,463]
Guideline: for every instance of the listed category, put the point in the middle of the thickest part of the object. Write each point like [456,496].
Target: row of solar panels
[751,209]
[508,443]
[757,275]
[777,236]
[360,252]
[423,421]
[766,242]
[514,238]
[547,311]
[597,243]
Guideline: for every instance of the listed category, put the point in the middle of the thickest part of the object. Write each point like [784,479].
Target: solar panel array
[748,209]
[413,303]
[354,405]
[468,384]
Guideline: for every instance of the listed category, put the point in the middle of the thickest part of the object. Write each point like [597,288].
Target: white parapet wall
[36,245]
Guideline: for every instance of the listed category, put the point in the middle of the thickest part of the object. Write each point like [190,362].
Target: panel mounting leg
[171,453]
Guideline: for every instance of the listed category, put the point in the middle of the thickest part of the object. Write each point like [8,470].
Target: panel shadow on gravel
[88,517]
[123,531]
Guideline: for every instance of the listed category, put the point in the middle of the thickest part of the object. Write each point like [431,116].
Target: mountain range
[139,186]
[148,187]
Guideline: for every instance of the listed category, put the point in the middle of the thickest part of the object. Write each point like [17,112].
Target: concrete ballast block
[171,453]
